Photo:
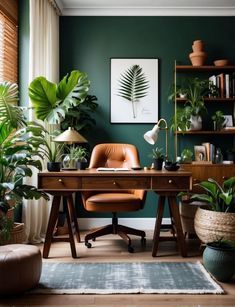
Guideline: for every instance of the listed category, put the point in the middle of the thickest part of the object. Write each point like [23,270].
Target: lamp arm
[162,120]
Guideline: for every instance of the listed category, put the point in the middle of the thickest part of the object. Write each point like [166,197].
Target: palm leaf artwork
[133,86]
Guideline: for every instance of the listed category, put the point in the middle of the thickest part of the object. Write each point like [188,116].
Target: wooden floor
[111,248]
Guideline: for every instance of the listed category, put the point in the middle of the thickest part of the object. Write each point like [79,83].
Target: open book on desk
[112,169]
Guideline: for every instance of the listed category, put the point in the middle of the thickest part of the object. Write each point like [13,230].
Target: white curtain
[43,61]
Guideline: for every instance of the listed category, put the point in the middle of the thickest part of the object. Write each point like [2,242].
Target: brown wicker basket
[17,234]
[187,214]
[212,226]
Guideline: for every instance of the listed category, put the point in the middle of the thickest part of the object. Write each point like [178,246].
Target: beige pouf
[20,268]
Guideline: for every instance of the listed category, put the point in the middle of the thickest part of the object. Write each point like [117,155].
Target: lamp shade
[152,135]
[70,136]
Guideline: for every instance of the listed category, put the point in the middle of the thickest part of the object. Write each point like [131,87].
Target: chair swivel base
[120,230]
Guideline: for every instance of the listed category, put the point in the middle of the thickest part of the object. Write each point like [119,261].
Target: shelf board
[200,132]
[206,99]
[204,68]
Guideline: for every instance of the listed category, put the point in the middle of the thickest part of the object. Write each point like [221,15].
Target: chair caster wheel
[130,249]
[88,244]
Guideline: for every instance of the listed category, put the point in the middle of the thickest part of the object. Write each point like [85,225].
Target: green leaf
[43,97]
[73,88]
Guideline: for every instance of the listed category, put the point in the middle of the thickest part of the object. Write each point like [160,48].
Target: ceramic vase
[198,56]
[220,262]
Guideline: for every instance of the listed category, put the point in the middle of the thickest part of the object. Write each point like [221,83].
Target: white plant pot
[196,123]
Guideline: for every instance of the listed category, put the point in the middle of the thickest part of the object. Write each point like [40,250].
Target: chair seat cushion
[113,202]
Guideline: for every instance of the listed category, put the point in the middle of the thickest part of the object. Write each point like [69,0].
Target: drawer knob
[170,181]
[60,180]
[224,177]
[114,183]
[195,180]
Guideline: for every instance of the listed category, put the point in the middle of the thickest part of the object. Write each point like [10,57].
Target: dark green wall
[88,43]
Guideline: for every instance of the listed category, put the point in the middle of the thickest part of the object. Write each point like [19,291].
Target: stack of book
[225,84]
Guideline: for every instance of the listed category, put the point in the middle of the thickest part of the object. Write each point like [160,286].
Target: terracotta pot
[198,46]
[198,58]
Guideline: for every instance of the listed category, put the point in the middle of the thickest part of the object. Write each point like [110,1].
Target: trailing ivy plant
[133,86]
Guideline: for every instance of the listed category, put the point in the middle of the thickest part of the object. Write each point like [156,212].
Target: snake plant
[133,86]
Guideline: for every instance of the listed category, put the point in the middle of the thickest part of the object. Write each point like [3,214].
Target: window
[8,44]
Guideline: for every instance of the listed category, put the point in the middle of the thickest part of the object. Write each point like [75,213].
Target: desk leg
[70,217]
[51,225]
[157,229]
[73,217]
[179,231]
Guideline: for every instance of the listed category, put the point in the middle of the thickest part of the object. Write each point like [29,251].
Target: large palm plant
[133,86]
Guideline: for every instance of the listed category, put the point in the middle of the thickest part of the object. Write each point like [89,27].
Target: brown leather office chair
[114,155]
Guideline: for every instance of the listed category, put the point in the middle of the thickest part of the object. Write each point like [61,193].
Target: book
[112,169]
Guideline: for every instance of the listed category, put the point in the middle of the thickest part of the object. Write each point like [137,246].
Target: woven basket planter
[212,226]
[187,214]
[17,234]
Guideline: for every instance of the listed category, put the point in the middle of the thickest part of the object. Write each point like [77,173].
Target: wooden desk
[166,184]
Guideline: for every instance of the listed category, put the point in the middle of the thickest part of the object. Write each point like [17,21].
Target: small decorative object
[198,56]
[75,159]
[218,156]
[223,62]
[219,259]
[186,156]
[171,166]
[200,153]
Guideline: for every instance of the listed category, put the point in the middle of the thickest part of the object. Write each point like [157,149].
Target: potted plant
[194,107]
[218,120]
[219,259]
[46,148]
[158,158]
[75,158]
[216,220]
[186,156]
[16,150]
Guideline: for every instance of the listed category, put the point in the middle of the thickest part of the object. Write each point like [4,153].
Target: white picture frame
[228,121]
[145,108]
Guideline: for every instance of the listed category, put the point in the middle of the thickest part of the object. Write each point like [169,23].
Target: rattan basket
[17,234]
[212,226]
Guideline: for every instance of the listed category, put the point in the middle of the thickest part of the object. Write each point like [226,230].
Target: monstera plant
[52,101]
[133,86]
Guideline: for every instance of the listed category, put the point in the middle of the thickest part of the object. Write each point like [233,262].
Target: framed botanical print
[134,90]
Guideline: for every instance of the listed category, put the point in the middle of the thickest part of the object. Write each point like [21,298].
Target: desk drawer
[111,183]
[59,183]
[173,183]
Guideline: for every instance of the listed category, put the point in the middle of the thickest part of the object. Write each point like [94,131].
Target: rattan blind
[8,49]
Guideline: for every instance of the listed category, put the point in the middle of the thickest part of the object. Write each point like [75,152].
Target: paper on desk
[112,169]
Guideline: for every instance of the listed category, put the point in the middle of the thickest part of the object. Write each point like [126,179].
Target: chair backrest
[114,155]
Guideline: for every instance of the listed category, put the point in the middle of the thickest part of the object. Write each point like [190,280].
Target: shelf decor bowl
[223,62]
